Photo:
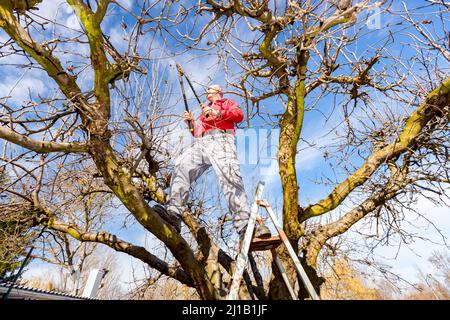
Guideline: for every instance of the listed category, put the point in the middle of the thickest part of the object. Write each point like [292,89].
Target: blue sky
[203,69]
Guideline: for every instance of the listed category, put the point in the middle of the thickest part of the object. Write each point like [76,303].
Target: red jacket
[230,114]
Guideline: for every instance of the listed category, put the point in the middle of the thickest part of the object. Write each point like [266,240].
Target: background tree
[16,236]
[433,284]
[343,281]
[85,205]
[64,280]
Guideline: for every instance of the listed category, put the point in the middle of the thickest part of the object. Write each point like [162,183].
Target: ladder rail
[291,252]
[242,258]
[244,251]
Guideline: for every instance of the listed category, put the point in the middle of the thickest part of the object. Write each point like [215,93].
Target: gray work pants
[216,149]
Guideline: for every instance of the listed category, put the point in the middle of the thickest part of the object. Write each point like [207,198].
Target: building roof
[28,293]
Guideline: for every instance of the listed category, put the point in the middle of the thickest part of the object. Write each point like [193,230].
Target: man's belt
[212,131]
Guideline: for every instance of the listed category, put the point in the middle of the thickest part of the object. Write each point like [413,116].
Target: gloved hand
[188,116]
[209,113]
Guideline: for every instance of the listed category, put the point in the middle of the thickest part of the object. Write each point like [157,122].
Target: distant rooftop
[20,292]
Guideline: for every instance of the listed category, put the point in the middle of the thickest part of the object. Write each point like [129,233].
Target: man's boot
[261,231]
[172,218]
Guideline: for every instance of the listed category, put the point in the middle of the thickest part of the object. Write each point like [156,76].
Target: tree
[64,280]
[433,286]
[343,282]
[96,118]
[296,54]
[16,234]
[88,209]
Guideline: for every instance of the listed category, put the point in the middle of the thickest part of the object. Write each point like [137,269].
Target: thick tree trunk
[290,124]
[313,276]
[291,127]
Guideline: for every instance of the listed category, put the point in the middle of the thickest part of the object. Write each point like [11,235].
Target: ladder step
[259,244]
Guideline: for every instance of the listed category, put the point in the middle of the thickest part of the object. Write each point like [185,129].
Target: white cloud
[51,9]
[130,269]
[19,87]
[43,271]
[405,259]
[128,4]
[72,22]
[118,37]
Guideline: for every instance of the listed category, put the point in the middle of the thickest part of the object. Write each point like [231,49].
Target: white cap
[215,87]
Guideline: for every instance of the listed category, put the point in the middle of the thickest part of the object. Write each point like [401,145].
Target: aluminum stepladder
[266,244]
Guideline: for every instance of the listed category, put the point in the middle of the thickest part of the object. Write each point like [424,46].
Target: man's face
[212,94]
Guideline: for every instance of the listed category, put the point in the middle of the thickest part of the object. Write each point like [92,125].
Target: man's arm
[230,111]
[198,128]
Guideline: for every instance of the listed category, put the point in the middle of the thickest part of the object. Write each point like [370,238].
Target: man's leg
[223,156]
[188,167]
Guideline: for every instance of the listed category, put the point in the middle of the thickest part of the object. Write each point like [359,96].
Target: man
[214,146]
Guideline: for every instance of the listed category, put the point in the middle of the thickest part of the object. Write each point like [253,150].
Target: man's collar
[219,100]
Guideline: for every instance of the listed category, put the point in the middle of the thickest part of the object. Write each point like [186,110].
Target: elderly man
[214,146]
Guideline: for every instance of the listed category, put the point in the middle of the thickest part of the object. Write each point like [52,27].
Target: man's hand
[188,116]
[209,113]
[205,110]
